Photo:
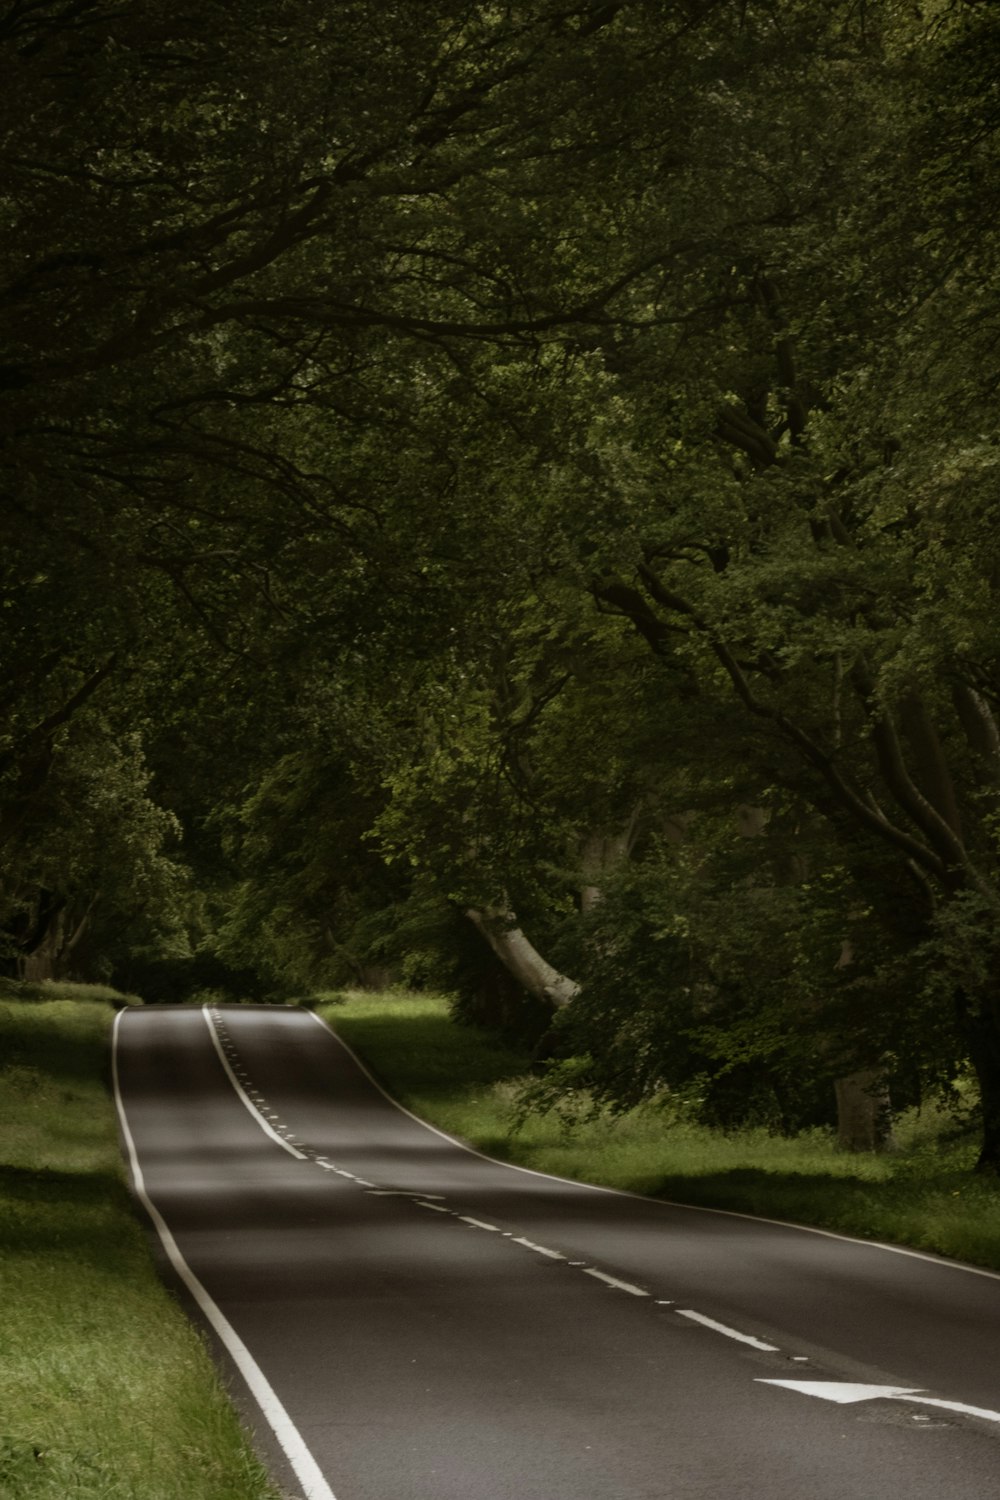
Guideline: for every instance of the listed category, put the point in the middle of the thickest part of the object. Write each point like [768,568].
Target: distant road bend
[410,1320]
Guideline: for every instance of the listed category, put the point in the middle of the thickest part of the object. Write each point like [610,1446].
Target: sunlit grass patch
[106,1390]
[922,1195]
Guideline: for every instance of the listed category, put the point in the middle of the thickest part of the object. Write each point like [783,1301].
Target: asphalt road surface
[404,1319]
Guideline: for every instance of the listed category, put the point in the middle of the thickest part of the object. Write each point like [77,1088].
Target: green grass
[922,1195]
[106,1390]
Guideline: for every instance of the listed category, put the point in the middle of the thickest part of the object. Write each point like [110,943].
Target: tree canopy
[505,495]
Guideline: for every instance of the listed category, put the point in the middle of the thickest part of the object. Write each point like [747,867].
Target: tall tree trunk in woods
[521,958]
[864,1115]
[980,1022]
[864,1109]
[601,853]
[42,962]
[52,956]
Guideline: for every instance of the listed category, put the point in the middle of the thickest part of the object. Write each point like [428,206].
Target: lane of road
[432,1324]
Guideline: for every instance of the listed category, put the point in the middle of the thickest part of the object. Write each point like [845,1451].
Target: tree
[804,561]
[594,313]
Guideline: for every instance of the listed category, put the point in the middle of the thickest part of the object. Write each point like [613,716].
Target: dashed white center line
[247,1099]
[619,1286]
[400,1193]
[730,1333]
[540,1249]
[478,1223]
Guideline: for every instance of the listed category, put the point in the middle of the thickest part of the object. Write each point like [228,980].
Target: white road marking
[419,1203]
[541,1249]
[621,1286]
[731,1333]
[328,1166]
[478,1223]
[968,1411]
[400,1193]
[845,1393]
[691,1208]
[241,1092]
[305,1467]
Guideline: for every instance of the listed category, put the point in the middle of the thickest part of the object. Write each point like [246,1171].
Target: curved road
[409,1320]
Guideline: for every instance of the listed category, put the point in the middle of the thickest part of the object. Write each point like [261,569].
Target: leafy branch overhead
[521,483]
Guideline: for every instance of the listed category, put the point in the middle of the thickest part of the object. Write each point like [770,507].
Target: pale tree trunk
[600,853]
[521,958]
[863,1112]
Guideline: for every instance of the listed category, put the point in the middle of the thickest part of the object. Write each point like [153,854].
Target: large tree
[616,306]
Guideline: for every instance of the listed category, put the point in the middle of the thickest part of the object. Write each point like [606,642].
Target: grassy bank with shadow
[922,1195]
[106,1390]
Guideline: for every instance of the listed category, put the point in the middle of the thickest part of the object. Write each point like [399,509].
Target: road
[405,1319]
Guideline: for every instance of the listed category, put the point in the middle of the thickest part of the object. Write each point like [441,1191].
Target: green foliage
[462,482]
[64,989]
[93,847]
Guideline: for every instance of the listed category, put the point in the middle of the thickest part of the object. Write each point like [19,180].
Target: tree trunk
[601,853]
[521,958]
[863,1112]
[42,962]
[981,1026]
[375,977]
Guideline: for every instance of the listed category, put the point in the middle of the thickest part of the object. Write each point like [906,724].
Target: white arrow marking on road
[844,1392]
[841,1391]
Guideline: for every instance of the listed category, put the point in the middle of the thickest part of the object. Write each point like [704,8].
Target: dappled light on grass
[466,1082]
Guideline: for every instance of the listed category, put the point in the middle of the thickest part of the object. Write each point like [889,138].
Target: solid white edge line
[691,1208]
[241,1092]
[305,1467]
[959,1406]
[731,1333]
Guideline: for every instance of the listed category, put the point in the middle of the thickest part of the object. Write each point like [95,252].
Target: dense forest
[504,497]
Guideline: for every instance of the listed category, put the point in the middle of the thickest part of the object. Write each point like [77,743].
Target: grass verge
[106,1390]
[923,1195]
